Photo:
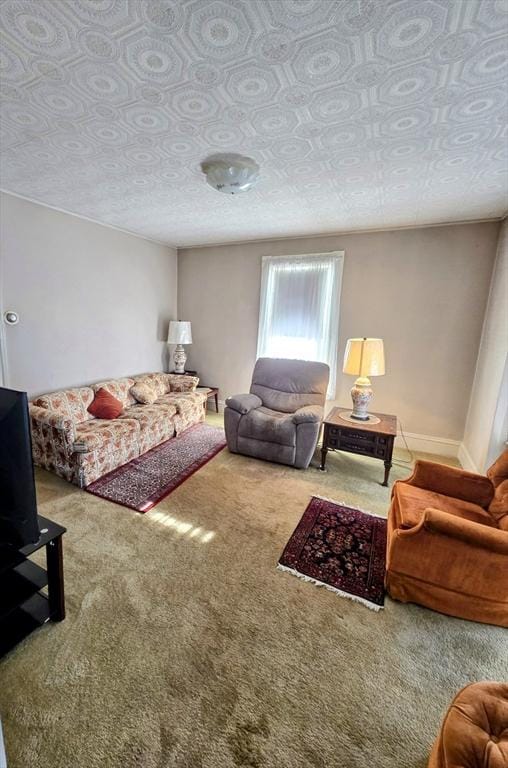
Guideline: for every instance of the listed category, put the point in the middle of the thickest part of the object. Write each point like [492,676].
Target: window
[299,312]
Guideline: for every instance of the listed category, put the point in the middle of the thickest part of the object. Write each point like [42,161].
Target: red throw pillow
[104,405]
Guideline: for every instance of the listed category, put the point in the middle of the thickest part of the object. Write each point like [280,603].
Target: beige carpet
[184,647]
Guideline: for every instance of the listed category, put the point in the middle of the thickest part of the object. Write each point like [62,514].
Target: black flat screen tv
[18,504]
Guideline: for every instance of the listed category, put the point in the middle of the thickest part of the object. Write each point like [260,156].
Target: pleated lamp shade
[364,357]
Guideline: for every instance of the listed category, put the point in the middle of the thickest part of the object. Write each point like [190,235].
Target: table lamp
[363,358]
[179,333]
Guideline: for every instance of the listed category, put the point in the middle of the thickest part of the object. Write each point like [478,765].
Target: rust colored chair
[475,729]
[447,543]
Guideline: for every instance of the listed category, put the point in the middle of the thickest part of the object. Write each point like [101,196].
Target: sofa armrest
[308,413]
[58,428]
[182,382]
[244,403]
[451,481]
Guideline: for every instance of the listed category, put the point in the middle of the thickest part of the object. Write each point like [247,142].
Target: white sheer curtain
[299,311]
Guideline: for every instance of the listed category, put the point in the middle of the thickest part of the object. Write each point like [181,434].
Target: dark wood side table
[360,437]
[23,604]
[211,392]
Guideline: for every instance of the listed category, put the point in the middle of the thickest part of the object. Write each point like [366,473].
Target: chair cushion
[269,426]
[411,502]
[119,388]
[72,403]
[105,405]
[99,433]
[286,385]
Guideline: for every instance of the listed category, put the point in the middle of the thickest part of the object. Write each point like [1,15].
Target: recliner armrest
[308,413]
[243,403]
[452,481]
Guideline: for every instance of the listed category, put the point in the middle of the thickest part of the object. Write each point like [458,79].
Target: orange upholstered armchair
[448,541]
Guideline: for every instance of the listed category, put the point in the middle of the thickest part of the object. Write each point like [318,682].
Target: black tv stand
[24,605]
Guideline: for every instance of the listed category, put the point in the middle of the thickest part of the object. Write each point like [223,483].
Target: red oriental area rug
[340,548]
[144,481]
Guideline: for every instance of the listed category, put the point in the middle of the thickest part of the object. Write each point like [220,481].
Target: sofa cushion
[72,403]
[185,383]
[183,402]
[269,426]
[411,502]
[105,405]
[144,393]
[99,433]
[159,382]
[156,423]
[119,388]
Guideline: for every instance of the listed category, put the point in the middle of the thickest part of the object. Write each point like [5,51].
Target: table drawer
[352,434]
[368,449]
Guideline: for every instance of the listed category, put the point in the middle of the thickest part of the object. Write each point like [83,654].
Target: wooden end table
[362,437]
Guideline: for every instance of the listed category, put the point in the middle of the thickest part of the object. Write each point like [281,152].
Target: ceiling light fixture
[230,173]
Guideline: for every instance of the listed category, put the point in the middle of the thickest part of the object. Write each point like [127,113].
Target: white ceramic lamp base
[180,359]
[361,394]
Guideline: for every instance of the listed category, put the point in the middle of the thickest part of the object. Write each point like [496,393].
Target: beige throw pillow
[144,394]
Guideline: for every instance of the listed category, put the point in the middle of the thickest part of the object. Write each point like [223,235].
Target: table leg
[54,561]
[324,451]
[217,402]
[388,466]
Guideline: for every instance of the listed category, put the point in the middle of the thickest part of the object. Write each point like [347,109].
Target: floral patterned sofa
[68,440]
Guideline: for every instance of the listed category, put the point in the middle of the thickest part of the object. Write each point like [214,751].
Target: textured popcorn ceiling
[362,113]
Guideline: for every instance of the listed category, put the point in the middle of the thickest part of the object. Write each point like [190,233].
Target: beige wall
[93,302]
[423,291]
[485,432]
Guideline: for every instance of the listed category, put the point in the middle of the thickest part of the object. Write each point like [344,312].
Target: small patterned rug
[340,548]
[144,481]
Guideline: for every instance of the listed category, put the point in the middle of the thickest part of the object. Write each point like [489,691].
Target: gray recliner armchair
[281,417]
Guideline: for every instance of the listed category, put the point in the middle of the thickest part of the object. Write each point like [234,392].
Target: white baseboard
[440,446]
[466,460]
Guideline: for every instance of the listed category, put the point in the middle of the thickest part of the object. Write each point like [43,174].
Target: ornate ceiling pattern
[361,113]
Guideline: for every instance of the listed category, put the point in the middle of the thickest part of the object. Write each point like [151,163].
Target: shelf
[10,557]
[22,621]
[49,530]
[23,607]
[19,584]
